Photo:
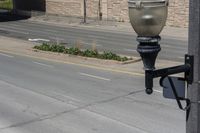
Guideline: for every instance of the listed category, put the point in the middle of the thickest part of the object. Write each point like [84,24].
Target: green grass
[6,4]
[76,51]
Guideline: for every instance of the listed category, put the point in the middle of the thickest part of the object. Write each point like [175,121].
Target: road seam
[77,108]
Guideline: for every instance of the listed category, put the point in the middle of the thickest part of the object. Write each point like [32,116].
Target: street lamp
[148,17]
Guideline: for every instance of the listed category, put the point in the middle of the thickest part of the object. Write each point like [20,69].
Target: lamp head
[148,17]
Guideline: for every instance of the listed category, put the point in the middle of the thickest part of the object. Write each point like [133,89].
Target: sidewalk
[25,48]
[169,32]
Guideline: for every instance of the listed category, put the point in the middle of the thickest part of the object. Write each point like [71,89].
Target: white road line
[6,55]
[93,76]
[130,50]
[158,91]
[38,39]
[42,64]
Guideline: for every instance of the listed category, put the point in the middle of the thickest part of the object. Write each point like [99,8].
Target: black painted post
[193,123]
[85,11]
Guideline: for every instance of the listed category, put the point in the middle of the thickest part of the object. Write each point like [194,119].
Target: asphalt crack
[54,115]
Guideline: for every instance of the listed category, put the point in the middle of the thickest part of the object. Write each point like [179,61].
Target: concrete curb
[98,67]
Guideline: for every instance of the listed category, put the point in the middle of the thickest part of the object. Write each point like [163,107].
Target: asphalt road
[38,96]
[106,40]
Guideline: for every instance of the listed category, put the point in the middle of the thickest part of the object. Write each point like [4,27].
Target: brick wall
[64,7]
[178,13]
[116,10]
[92,8]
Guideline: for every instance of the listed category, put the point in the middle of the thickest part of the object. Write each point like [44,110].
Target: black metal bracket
[187,69]
[148,48]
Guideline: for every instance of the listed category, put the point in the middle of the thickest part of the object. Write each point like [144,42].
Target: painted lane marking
[6,55]
[38,39]
[93,76]
[42,64]
[158,91]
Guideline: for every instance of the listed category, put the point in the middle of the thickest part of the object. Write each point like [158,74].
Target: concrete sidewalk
[169,32]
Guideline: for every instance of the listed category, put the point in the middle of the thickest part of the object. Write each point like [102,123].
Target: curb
[98,67]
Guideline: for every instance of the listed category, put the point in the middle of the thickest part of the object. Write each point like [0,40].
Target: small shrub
[76,51]
[125,59]
[44,47]
[66,51]
[109,55]
[57,48]
[90,53]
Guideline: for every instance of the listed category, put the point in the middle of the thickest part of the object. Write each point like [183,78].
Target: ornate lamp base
[148,49]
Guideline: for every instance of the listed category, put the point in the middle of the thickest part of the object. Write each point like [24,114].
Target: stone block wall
[93,8]
[116,10]
[178,15]
[64,7]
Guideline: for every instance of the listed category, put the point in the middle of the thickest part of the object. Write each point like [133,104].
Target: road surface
[106,40]
[38,96]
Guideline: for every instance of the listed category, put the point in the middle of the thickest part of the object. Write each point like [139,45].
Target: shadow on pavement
[6,16]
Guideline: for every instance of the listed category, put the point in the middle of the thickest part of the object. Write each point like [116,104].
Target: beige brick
[116,10]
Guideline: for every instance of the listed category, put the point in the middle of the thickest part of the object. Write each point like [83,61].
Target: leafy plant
[90,53]
[110,55]
[44,47]
[76,51]
[57,48]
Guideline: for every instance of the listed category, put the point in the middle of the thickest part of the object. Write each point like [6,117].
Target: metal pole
[85,12]
[100,10]
[193,123]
